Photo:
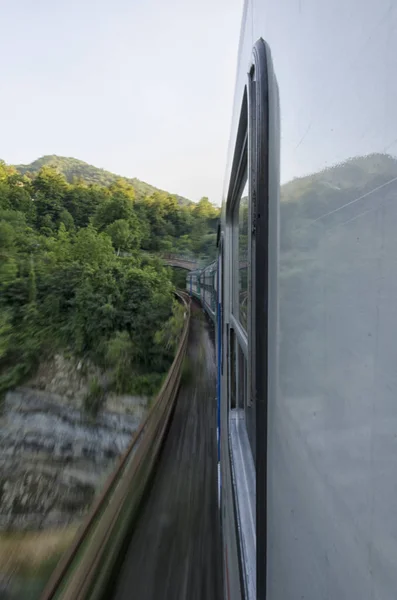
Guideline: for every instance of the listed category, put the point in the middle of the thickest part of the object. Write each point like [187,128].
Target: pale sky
[143,88]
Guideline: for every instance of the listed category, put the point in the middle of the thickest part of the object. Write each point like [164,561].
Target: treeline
[74,169]
[64,284]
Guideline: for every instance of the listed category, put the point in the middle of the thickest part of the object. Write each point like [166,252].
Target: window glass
[242,378]
[233,370]
[241,241]
[333,423]
[243,256]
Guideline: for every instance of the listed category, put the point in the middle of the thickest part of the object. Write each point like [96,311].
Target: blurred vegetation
[28,559]
[95,398]
[178,277]
[79,273]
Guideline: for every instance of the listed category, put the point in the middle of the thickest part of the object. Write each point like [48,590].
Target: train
[202,285]
[303,298]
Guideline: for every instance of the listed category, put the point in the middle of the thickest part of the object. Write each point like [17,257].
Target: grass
[33,552]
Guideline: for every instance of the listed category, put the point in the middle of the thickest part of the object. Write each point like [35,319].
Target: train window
[243,257]
[233,370]
[240,257]
[242,378]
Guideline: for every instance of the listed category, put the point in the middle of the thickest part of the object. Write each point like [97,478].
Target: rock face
[53,458]
[67,378]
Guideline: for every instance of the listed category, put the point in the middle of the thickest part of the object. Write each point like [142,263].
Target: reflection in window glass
[243,257]
[233,370]
[242,378]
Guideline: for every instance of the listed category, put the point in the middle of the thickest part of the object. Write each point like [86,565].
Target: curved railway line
[87,570]
[175,550]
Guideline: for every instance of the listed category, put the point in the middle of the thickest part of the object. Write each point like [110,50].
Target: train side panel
[331,410]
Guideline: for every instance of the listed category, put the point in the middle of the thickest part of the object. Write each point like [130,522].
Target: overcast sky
[143,88]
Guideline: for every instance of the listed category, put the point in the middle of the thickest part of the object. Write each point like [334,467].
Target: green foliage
[92,248]
[168,336]
[73,277]
[127,378]
[77,171]
[147,384]
[95,398]
[66,219]
[5,333]
[178,277]
[120,356]
[158,221]
[120,233]
[203,236]
[116,208]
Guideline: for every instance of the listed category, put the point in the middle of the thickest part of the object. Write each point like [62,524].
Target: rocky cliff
[53,456]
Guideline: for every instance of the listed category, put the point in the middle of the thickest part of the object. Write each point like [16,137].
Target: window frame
[260,81]
[251,156]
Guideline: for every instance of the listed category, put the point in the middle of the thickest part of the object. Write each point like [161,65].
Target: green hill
[340,192]
[355,173]
[73,168]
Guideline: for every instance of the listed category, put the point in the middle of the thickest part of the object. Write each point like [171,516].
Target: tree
[5,333]
[205,210]
[66,219]
[20,199]
[122,189]
[82,201]
[51,184]
[5,202]
[92,248]
[116,208]
[8,264]
[46,225]
[50,189]
[120,356]
[62,285]
[122,236]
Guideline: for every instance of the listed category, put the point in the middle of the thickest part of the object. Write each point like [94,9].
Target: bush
[94,400]
[147,384]
[168,336]
[119,355]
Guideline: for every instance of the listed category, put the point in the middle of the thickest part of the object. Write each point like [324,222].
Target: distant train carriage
[209,289]
[202,284]
[193,286]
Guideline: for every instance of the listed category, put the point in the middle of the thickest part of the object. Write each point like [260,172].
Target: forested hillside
[65,286]
[75,169]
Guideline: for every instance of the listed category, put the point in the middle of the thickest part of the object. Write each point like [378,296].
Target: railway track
[175,550]
[86,570]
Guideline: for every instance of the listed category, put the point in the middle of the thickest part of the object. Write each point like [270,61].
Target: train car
[202,284]
[208,289]
[193,286]
[307,305]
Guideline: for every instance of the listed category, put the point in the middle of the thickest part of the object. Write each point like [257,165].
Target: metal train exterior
[306,299]
[202,284]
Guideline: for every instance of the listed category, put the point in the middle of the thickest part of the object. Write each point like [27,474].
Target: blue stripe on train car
[219,372]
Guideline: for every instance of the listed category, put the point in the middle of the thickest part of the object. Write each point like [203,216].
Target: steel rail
[86,569]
